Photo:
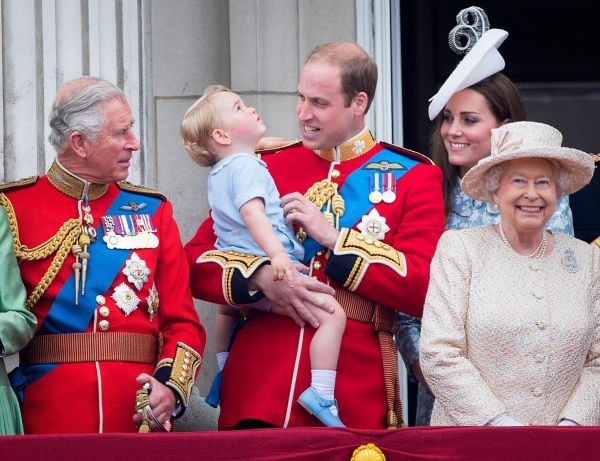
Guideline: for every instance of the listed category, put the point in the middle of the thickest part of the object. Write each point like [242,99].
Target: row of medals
[135,268]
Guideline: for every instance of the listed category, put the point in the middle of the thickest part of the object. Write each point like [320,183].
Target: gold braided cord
[322,193]
[57,262]
[60,243]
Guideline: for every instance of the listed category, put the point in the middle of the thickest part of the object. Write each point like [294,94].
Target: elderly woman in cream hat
[510,331]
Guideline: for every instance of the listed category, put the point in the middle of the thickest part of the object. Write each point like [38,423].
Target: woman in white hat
[474,99]
[510,332]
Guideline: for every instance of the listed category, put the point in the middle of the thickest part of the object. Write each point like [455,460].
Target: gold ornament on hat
[325,193]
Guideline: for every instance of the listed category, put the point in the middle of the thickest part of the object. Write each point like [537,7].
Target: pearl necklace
[538,253]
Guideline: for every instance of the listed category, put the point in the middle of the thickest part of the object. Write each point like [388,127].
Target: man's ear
[361,101]
[79,144]
[221,137]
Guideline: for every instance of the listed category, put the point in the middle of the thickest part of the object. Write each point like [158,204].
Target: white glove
[504,420]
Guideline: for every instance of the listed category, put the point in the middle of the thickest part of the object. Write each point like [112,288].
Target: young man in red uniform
[106,277]
[369,215]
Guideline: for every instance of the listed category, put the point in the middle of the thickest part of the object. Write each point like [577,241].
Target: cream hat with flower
[529,140]
[482,58]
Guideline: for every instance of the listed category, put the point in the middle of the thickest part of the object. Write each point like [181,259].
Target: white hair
[81,110]
[493,177]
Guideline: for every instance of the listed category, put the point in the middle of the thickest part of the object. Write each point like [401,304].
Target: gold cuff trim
[596,242]
[369,252]
[245,263]
[183,371]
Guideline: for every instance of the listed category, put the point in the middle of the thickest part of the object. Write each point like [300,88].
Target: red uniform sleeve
[416,224]
[219,277]
[183,336]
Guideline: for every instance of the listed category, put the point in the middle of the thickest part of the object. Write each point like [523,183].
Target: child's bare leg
[324,353]
[327,340]
[226,320]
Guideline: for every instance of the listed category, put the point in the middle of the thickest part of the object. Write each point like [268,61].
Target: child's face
[241,123]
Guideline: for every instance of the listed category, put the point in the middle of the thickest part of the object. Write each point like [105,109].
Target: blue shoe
[319,407]
[212,398]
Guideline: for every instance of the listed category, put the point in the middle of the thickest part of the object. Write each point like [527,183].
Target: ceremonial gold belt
[90,347]
[384,322]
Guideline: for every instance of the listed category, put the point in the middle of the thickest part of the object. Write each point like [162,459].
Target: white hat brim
[480,62]
[578,164]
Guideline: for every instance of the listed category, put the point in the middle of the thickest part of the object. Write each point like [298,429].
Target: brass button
[103,325]
[185,367]
[187,361]
[181,379]
[369,241]
[187,354]
[317,265]
[335,173]
[360,237]
[104,311]
[385,246]
[100,299]
[378,244]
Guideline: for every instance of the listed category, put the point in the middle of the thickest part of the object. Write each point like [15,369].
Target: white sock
[324,383]
[221,359]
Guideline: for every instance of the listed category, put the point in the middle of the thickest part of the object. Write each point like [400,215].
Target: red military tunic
[99,395]
[269,365]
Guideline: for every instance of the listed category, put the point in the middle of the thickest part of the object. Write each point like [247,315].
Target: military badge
[129,231]
[152,301]
[133,206]
[384,166]
[389,187]
[125,298]
[375,195]
[373,226]
[136,271]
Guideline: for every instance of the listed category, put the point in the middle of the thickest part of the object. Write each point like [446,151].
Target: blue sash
[104,266]
[355,192]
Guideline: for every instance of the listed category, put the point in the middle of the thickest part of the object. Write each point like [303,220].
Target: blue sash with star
[64,316]
[355,192]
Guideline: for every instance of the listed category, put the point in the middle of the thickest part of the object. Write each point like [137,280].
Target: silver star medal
[136,271]
[373,226]
[152,301]
[125,298]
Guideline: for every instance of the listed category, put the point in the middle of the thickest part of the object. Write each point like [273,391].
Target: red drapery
[431,443]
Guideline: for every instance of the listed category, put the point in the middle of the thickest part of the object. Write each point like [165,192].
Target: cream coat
[505,333]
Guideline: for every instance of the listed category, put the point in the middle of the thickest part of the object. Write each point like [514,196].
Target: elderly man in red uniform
[369,215]
[106,277]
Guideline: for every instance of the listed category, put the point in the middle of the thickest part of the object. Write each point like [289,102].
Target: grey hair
[493,177]
[78,107]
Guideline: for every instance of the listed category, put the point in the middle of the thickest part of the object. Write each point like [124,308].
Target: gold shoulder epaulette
[129,187]
[597,158]
[413,154]
[30,181]
[272,150]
